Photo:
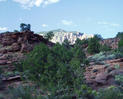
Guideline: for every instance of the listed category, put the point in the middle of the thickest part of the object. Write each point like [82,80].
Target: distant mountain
[60,35]
[56,31]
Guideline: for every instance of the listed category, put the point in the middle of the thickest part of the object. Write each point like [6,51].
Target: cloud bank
[27,4]
[44,25]
[108,23]
[3,28]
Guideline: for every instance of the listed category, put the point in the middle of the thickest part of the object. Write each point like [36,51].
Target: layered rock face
[20,41]
[14,44]
[112,42]
[101,76]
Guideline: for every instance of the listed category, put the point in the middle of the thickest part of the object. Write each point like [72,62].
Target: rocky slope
[103,75]
[112,42]
[14,44]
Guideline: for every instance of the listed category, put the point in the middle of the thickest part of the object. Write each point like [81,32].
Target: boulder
[15,47]
[116,72]
[101,78]
[109,69]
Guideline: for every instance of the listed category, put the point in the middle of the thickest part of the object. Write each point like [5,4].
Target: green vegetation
[105,48]
[49,35]
[57,68]
[58,72]
[102,56]
[119,80]
[119,35]
[120,44]
[93,45]
[23,92]
[25,27]
[110,93]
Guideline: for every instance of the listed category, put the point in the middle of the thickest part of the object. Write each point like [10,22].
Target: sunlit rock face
[60,35]
[71,36]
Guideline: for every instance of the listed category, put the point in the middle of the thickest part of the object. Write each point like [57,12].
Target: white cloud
[44,25]
[46,2]
[3,28]
[27,4]
[66,22]
[108,23]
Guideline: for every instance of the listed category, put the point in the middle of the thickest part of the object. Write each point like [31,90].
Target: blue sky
[103,17]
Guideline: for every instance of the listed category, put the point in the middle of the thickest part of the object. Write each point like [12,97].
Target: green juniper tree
[49,35]
[94,45]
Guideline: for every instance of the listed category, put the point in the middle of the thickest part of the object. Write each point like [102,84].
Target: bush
[93,45]
[25,92]
[54,68]
[49,35]
[104,48]
[102,56]
[110,93]
[21,93]
[120,43]
[119,80]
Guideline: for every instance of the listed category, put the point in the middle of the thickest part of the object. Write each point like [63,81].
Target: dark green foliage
[25,27]
[1,71]
[98,37]
[120,34]
[1,82]
[93,45]
[119,80]
[24,92]
[15,31]
[86,93]
[82,43]
[120,44]
[55,68]
[66,44]
[104,48]
[44,64]
[21,93]
[110,93]
[49,35]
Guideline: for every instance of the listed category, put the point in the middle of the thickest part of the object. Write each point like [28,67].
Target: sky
[103,17]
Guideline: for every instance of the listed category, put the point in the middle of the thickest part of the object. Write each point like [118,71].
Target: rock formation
[101,76]
[111,42]
[14,44]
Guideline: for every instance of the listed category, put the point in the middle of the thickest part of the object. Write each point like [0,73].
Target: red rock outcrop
[20,41]
[101,76]
[111,42]
[14,44]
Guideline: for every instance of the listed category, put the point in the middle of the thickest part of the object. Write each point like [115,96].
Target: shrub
[49,35]
[57,70]
[85,93]
[93,45]
[120,43]
[54,67]
[23,92]
[104,48]
[119,80]
[102,56]
[110,93]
